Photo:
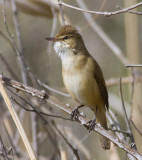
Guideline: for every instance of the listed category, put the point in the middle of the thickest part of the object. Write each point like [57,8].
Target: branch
[105,38]
[125,80]
[3,148]
[134,65]
[40,114]
[107,14]
[56,103]
[17,121]
[18,49]
[20,57]
[136,127]
[125,113]
[133,12]
[8,67]
[61,12]
[34,108]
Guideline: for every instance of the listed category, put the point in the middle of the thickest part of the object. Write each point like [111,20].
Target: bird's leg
[75,113]
[92,123]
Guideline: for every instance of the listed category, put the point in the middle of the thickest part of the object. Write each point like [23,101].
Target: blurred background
[114,42]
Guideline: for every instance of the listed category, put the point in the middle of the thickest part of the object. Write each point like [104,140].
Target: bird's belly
[82,88]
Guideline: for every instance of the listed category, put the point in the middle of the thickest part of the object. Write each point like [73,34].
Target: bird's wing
[101,84]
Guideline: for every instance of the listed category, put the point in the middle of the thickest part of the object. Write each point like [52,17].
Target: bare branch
[55,102]
[61,12]
[114,123]
[101,13]
[125,80]
[75,151]
[34,108]
[105,38]
[7,39]
[123,105]
[20,57]
[125,114]
[19,49]
[133,12]
[15,148]
[17,121]
[136,128]
[9,69]
[133,83]
[37,110]
[54,24]
[4,152]
[134,65]
[52,89]
[121,131]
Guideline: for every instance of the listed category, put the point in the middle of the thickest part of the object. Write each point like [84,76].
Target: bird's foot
[91,124]
[75,113]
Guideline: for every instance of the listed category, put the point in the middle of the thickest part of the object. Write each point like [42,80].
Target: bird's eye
[66,37]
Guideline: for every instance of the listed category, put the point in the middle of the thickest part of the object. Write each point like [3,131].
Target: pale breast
[81,84]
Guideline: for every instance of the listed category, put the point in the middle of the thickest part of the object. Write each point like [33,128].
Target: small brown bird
[82,75]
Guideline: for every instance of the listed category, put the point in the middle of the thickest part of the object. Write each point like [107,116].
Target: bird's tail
[101,118]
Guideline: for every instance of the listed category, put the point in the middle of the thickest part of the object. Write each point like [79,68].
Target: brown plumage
[82,75]
[66,30]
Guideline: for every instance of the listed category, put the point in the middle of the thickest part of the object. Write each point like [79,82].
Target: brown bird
[82,75]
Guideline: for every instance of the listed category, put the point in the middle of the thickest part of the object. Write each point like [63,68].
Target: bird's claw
[74,114]
[91,124]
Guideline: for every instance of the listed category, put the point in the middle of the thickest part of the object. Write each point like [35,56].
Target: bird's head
[67,41]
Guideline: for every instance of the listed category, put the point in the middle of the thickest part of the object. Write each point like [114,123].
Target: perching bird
[82,75]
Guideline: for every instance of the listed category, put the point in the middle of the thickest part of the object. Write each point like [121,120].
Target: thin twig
[46,122]
[125,114]
[16,121]
[108,14]
[7,39]
[120,131]
[3,149]
[75,151]
[95,17]
[61,12]
[106,39]
[132,92]
[56,103]
[53,137]
[52,33]
[125,80]
[52,89]
[114,122]
[14,147]
[133,12]
[79,143]
[40,113]
[134,65]
[136,128]
[45,86]
[17,50]
[9,68]
[19,42]
[35,109]
[49,45]
[123,105]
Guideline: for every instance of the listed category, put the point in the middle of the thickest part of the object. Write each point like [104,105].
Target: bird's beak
[53,39]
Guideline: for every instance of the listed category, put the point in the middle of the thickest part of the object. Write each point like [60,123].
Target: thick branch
[55,102]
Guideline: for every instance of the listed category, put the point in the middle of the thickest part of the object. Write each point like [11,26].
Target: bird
[82,76]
